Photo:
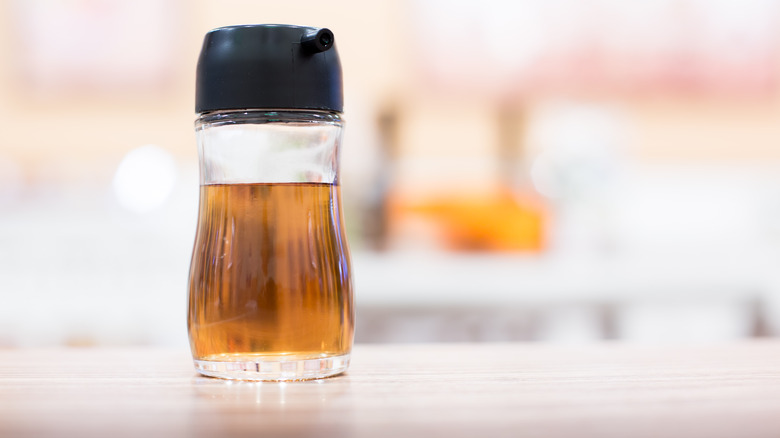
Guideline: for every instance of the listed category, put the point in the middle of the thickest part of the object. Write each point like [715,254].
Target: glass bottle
[270,289]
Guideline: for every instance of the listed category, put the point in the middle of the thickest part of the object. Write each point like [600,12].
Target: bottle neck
[261,116]
[263,146]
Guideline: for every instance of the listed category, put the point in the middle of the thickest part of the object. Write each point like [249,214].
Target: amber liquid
[270,273]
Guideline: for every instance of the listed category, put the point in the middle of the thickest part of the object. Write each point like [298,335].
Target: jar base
[274,368]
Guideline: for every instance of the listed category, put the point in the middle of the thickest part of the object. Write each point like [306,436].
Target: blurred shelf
[501,279]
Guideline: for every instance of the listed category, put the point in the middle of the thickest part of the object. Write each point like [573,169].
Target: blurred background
[545,170]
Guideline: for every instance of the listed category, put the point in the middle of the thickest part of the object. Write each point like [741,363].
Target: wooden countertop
[452,390]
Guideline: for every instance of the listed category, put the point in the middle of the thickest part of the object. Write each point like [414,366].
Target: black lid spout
[318,41]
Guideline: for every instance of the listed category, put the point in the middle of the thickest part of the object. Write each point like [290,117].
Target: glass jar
[270,288]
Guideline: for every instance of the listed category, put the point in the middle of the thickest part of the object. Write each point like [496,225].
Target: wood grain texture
[453,390]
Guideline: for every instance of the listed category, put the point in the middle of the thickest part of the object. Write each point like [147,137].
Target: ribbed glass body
[270,288]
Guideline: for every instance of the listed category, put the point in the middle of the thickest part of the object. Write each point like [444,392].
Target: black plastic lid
[268,66]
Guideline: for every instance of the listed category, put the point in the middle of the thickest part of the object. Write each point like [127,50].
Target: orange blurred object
[500,221]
